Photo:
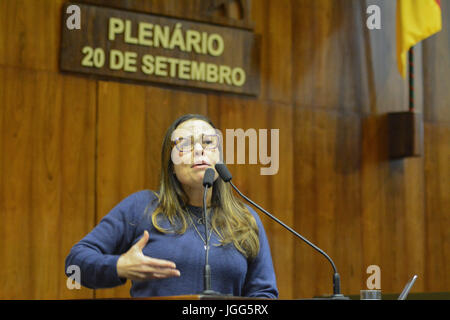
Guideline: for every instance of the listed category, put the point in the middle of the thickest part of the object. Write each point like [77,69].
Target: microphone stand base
[333,297]
[339,297]
[212,293]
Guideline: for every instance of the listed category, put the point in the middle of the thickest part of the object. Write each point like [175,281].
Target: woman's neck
[196,196]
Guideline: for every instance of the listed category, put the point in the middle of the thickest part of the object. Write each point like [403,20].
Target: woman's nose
[198,148]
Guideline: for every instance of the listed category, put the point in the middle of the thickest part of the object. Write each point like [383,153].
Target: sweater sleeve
[97,253]
[260,280]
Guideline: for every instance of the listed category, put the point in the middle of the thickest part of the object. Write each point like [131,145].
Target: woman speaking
[157,239]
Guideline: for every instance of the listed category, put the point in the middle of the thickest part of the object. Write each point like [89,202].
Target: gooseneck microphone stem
[336,276]
[207,271]
[208,181]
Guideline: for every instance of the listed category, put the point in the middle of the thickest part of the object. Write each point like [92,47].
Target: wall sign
[120,44]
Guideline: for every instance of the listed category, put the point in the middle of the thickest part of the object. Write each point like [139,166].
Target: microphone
[226,176]
[208,180]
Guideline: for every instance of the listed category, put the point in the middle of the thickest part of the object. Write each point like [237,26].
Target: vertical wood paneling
[373,195]
[29,37]
[382,66]
[415,232]
[16,277]
[392,210]
[281,199]
[77,150]
[338,66]
[329,95]
[272,19]
[47,180]
[72,148]
[327,187]
[437,179]
[347,226]
[436,63]
[327,62]
[305,204]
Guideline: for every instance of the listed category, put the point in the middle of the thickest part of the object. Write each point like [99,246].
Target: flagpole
[411,78]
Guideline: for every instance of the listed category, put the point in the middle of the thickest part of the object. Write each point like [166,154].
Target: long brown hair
[231,221]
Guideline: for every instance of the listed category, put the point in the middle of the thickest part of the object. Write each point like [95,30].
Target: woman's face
[196,149]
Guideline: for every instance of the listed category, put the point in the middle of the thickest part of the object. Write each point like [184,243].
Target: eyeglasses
[207,141]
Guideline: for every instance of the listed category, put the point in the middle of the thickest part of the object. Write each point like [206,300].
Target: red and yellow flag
[416,20]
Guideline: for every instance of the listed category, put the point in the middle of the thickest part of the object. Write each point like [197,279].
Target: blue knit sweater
[97,254]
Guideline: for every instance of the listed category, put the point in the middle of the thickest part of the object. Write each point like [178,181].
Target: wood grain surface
[72,147]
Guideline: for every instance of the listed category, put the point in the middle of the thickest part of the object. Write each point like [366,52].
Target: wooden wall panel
[328,65]
[305,278]
[436,63]
[381,63]
[340,66]
[72,148]
[29,37]
[280,199]
[393,218]
[16,176]
[437,178]
[330,92]
[273,20]
[373,196]
[415,255]
[327,184]
[47,179]
[383,73]
[77,150]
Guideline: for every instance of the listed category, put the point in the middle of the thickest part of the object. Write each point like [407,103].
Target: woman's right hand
[134,265]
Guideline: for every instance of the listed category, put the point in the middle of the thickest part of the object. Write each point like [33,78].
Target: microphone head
[223,172]
[208,178]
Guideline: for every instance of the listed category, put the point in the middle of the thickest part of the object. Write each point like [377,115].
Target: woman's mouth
[201,165]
